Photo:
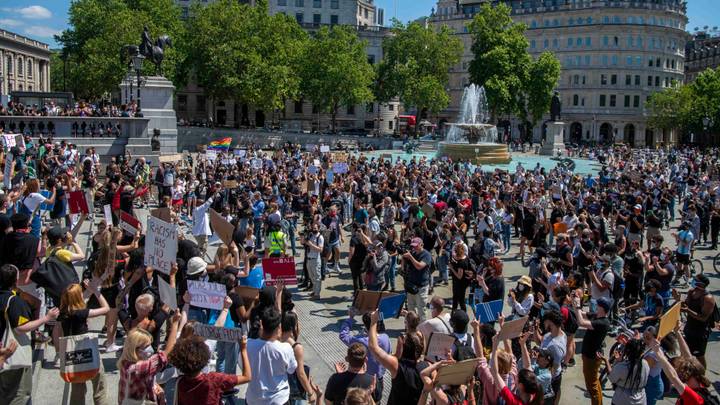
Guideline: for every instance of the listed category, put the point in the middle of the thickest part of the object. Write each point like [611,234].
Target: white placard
[240,152]
[160,244]
[206,295]
[108,214]
[218,333]
[168,294]
[211,155]
[324,148]
[257,163]
[316,162]
[7,173]
[9,140]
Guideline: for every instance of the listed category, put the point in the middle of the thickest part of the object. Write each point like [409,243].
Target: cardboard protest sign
[221,227]
[669,320]
[456,373]
[107,214]
[340,167]
[204,294]
[324,148]
[129,223]
[279,268]
[170,158]
[438,345]
[366,301]
[168,295]
[77,203]
[488,311]
[391,305]
[512,329]
[230,183]
[162,213]
[316,162]
[218,333]
[160,244]
[248,294]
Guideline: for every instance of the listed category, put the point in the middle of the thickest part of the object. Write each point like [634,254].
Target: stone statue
[154,52]
[555,107]
[145,43]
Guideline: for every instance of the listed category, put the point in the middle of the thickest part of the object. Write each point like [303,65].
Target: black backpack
[54,276]
[570,326]
[463,350]
[707,397]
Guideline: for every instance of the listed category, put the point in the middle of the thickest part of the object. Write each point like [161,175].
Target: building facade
[24,64]
[614,55]
[193,106]
[701,52]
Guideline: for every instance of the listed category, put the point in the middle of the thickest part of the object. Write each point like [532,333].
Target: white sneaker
[112,348]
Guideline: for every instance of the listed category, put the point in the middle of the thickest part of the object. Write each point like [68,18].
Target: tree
[669,109]
[100,28]
[514,82]
[335,70]
[416,65]
[240,52]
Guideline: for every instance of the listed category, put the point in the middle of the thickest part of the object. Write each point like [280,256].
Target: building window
[576,79]
[583,79]
[299,17]
[628,80]
[317,3]
[657,81]
[19,69]
[533,24]
[614,60]
[185,12]
[578,42]
[298,107]
[637,80]
[351,110]
[546,43]
[605,60]
[613,79]
[532,44]
[317,19]
[390,125]
[200,101]
[650,62]
[299,3]
[9,63]
[587,60]
[628,61]
[649,81]
[282,2]
[556,43]
[602,100]
[570,43]
[636,101]
[588,41]
[603,80]
[370,107]
[334,4]
[182,102]
[606,41]
[333,19]
[29,68]
[576,99]
[613,100]
[627,101]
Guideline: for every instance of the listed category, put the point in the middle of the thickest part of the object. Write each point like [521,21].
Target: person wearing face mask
[698,307]
[138,364]
[520,298]
[652,306]
[633,272]
[660,268]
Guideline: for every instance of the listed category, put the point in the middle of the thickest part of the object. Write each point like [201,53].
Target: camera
[403,247]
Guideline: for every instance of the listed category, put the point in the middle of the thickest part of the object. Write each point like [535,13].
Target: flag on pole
[221,144]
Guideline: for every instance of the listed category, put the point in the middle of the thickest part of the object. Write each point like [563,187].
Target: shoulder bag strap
[177,388]
[445,323]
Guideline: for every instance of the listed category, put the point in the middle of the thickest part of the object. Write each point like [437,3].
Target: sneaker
[112,348]
[571,363]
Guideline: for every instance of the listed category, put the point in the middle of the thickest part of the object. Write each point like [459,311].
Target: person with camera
[314,243]
[376,264]
[356,256]
[416,264]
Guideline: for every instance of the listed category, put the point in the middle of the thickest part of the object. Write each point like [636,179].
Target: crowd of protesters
[78,109]
[598,267]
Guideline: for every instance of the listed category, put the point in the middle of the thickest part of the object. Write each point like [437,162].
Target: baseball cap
[416,242]
[702,279]
[56,233]
[605,303]
[459,319]
[638,206]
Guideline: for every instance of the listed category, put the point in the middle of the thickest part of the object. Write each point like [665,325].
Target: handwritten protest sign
[488,311]
[168,295]
[240,152]
[107,213]
[668,321]
[9,140]
[218,333]
[456,373]
[512,329]
[221,227]
[324,148]
[279,268]
[230,183]
[340,167]
[160,244]
[163,213]
[170,158]
[211,155]
[206,295]
[438,345]
[77,203]
[129,223]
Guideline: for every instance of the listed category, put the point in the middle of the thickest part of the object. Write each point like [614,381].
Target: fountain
[471,137]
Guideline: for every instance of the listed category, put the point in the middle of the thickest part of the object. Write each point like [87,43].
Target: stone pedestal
[156,103]
[554,140]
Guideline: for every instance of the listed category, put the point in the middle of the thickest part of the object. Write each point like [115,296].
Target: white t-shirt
[33,200]
[440,324]
[270,362]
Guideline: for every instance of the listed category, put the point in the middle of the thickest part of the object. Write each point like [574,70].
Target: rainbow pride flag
[221,144]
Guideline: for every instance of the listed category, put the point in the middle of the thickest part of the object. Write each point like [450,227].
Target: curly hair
[190,355]
[688,368]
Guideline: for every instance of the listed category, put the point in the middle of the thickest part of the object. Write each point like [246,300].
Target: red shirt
[690,397]
[509,397]
[139,378]
[209,387]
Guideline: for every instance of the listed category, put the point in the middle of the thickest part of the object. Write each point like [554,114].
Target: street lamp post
[137,61]
[707,123]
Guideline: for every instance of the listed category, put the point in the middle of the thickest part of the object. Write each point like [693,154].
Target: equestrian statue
[154,52]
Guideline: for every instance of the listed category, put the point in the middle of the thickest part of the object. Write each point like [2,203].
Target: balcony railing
[64,126]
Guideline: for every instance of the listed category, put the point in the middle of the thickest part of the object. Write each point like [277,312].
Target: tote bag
[79,358]
[22,357]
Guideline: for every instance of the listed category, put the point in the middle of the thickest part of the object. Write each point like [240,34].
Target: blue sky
[41,19]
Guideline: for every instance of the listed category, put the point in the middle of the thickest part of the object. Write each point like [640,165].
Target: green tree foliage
[335,70]
[684,107]
[514,82]
[241,52]
[99,29]
[416,65]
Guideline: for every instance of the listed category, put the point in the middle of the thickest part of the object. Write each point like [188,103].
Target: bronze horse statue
[155,53]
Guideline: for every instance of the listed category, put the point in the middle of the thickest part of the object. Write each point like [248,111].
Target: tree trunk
[333,116]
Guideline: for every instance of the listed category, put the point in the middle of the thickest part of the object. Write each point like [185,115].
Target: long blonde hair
[106,257]
[135,339]
[71,299]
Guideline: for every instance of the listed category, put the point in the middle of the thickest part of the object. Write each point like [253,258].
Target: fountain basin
[478,153]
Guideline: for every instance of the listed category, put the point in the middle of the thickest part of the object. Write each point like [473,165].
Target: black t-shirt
[496,289]
[360,251]
[75,323]
[20,249]
[588,246]
[407,385]
[339,383]
[633,227]
[58,207]
[18,313]
[593,340]
[4,225]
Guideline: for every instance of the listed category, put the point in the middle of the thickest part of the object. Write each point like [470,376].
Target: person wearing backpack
[463,348]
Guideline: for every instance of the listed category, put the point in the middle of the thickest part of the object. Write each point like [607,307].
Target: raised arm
[389,362]
[669,370]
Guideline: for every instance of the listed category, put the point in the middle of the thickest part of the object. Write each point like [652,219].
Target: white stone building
[614,55]
[24,64]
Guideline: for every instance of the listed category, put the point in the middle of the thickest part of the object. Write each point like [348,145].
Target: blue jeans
[654,389]
[227,357]
[258,233]
[442,264]
[390,275]
[243,224]
[506,231]
[291,235]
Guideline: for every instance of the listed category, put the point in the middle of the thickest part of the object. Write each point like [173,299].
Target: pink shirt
[491,393]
